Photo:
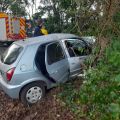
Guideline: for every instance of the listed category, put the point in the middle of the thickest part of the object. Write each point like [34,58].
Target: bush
[99,96]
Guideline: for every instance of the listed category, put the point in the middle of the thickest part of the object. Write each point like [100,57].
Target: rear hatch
[8,59]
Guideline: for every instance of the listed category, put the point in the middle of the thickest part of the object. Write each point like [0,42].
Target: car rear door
[56,62]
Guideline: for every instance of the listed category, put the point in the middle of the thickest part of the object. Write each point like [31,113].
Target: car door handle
[73,63]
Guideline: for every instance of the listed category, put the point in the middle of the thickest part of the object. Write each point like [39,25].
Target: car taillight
[10,73]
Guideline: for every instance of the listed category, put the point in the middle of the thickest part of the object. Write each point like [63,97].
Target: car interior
[77,48]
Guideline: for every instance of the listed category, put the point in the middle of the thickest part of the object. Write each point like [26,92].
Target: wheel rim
[34,94]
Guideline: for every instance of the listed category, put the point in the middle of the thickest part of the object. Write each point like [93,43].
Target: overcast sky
[35,8]
[29,9]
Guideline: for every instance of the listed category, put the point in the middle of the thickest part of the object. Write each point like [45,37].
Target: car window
[11,54]
[76,48]
[54,53]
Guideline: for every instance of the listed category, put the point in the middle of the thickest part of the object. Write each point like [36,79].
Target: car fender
[45,81]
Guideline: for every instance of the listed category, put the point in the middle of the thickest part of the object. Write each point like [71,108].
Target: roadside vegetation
[97,95]
[98,98]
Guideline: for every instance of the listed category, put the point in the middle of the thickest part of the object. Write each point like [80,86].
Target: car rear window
[11,54]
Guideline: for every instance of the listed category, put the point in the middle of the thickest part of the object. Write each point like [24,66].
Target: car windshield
[11,54]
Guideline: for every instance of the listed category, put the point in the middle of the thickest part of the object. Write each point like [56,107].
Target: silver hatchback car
[29,67]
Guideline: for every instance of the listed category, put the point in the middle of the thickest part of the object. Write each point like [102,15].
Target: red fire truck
[11,28]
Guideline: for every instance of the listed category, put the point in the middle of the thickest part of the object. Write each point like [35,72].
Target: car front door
[56,62]
[77,53]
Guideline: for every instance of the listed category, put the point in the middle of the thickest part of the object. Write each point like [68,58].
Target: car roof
[46,39]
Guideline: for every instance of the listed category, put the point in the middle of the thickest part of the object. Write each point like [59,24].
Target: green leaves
[114,109]
[100,90]
[17,9]
[117,80]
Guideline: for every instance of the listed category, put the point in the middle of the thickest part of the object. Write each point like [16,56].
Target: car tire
[32,93]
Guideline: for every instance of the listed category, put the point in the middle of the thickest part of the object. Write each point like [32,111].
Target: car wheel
[32,93]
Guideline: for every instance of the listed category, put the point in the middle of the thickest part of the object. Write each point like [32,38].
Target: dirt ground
[50,108]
